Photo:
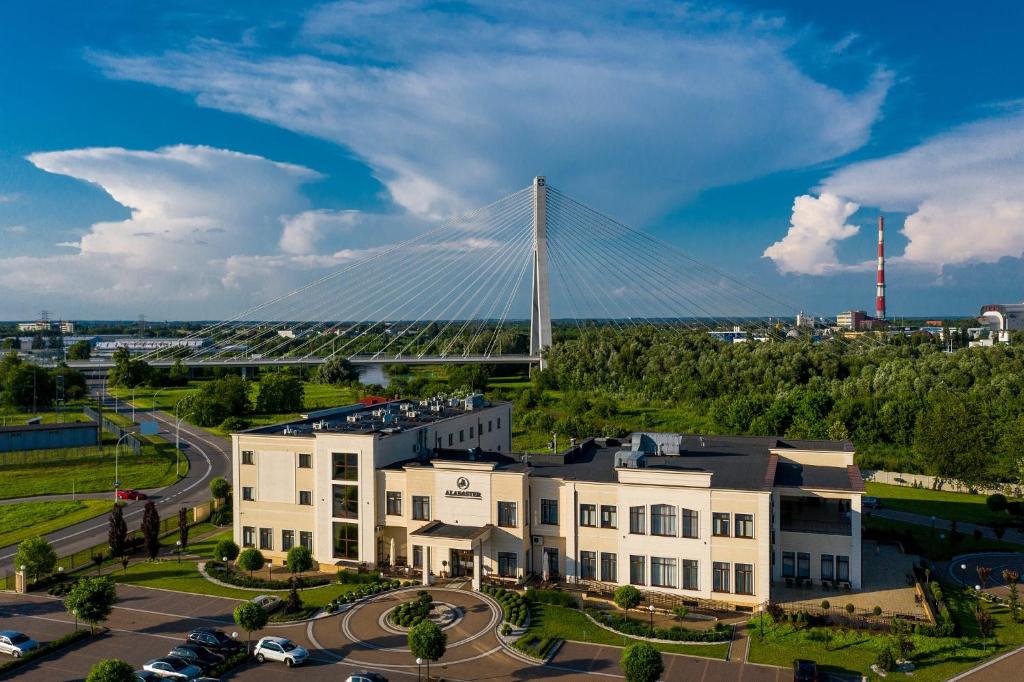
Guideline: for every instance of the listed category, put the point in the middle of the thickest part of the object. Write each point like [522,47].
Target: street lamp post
[963,571]
[650,609]
[177,550]
[227,569]
[177,436]
[117,449]
[74,612]
[133,403]
[977,599]
[419,663]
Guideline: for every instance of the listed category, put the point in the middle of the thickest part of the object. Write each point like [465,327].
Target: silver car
[16,644]
[280,649]
[173,668]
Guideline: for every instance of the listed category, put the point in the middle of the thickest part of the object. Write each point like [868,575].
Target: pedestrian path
[1010,535]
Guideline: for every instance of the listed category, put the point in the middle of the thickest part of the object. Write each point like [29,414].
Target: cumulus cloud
[304,231]
[451,109]
[961,191]
[818,223]
[16,229]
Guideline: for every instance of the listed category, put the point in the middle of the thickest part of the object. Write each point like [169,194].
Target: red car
[129,494]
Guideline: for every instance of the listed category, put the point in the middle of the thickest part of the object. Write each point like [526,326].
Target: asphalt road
[208,455]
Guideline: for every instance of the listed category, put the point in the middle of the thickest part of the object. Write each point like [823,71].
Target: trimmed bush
[555,597]
[638,628]
[996,502]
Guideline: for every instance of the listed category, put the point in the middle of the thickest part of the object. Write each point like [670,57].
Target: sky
[187,160]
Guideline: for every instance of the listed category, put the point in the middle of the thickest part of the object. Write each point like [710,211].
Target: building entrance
[462,563]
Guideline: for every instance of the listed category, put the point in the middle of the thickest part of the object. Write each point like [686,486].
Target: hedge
[636,628]
[364,591]
[554,597]
[514,608]
[43,650]
[240,579]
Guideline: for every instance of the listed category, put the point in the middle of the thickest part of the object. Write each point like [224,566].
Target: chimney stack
[880,288]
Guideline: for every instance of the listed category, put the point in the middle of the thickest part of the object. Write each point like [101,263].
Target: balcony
[815,515]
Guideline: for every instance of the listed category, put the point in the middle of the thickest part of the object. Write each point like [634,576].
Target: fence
[837,613]
[660,599]
[118,431]
[923,480]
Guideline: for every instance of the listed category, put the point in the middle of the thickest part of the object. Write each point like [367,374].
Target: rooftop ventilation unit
[405,407]
[353,419]
[412,414]
[320,425]
[474,401]
[437,407]
[630,459]
[290,431]
[454,402]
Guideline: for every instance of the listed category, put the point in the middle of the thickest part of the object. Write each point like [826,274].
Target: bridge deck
[312,361]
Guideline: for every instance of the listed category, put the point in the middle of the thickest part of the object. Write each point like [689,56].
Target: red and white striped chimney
[880,288]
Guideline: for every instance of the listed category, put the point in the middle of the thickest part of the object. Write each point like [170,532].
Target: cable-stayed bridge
[459,293]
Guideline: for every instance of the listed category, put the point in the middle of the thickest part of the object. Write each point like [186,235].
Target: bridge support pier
[540,311]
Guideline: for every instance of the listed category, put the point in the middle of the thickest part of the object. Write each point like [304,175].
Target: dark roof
[437,529]
[792,475]
[501,461]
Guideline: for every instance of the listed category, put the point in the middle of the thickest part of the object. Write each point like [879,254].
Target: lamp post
[933,526]
[133,402]
[227,569]
[74,612]
[117,480]
[177,435]
[963,570]
[650,609]
[178,550]
[419,663]
[977,599]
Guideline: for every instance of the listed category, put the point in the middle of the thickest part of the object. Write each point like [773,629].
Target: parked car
[215,640]
[130,494]
[870,502]
[280,649]
[267,602]
[197,655]
[366,677]
[805,671]
[173,668]
[145,676]
[16,644]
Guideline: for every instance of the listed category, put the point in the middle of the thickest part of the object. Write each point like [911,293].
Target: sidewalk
[1011,535]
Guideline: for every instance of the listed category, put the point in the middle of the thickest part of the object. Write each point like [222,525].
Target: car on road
[16,644]
[267,602]
[172,667]
[366,677]
[215,640]
[805,671]
[280,649]
[871,502]
[197,655]
[145,676]
[130,494]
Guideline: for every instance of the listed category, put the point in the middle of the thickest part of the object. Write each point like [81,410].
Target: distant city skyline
[185,161]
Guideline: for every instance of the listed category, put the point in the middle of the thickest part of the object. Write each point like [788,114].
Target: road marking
[986,664]
[129,608]
[69,622]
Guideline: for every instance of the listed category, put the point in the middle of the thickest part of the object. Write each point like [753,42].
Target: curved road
[208,455]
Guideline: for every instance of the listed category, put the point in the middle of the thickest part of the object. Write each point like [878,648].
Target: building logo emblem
[463,483]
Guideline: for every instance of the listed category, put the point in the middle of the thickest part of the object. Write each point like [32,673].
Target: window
[720,576]
[663,520]
[489,424]
[421,507]
[346,540]
[843,568]
[462,435]
[588,515]
[248,536]
[507,514]
[417,556]
[499,422]
[345,466]
[287,540]
[247,457]
[803,565]
[305,460]
[788,565]
[588,565]
[306,497]
[637,520]
[609,517]
[451,440]
[744,579]
[549,512]
[744,525]
[636,569]
[690,574]
[663,572]
[828,567]
[508,564]
[393,503]
[306,539]
[471,433]
[247,494]
[346,502]
[608,567]
[690,527]
[720,524]
[266,538]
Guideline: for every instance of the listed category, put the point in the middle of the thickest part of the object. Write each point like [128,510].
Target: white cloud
[7,198]
[16,229]
[818,223]
[641,110]
[961,189]
[304,231]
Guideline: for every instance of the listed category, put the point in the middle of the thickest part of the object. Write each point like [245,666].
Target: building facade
[706,517]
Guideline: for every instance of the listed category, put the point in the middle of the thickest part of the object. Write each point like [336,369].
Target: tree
[74,382]
[151,529]
[641,662]
[91,599]
[220,488]
[219,399]
[250,618]
[1011,578]
[294,602]
[127,371]
[183,527]
[627,597]
[111,670]
[336,370]
[427,641]
[79,350]
[117,536]
[251,560]
[28,387]
[37,556]
[472,377]
[953,438]
[299,559]
[996,502]
[225,548]
[279,392]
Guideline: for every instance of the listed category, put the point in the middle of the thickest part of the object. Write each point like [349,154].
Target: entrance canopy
[453,536]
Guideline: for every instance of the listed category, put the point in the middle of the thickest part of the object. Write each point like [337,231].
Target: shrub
[641,662]
[886,661]
[217,570]
[637,628]
[850,608]
[825,606]
[627,597]
[996,502]
[877,611]
[556,597]
[1015,508]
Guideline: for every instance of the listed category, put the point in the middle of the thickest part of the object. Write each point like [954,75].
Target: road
[209,456]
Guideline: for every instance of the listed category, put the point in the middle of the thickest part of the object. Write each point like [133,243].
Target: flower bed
[216,569]
[411,613]
[636,628]
[514,608]
[363,591]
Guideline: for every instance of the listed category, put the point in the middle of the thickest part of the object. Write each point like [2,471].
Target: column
[477,566]
[426,564]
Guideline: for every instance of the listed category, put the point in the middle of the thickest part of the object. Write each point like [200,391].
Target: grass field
[20,418]
[939,503]
[29,519]
[935,545]
[56,472]
[559,622]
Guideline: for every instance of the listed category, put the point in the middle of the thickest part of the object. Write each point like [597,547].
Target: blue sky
[186,161]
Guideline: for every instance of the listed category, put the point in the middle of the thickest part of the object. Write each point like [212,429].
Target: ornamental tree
[251,560]
[250,618]
[111,670]
[92,600]
[427,641]
[627,597]
[37,556]
[641,662]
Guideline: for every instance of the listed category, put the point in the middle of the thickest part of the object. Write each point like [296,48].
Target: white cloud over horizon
[961,191]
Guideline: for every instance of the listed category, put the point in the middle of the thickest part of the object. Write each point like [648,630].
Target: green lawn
[72,414]
[559,622]
[939,503]
[88,470]
[29,519]
[935,545]
[936,658]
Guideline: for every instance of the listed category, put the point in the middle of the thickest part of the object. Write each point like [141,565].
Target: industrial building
[433,486]
[1002,318]
[108,346]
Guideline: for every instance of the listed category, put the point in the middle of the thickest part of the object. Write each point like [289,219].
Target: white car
[280,649]
[173,668]
[267,602]
[16,644]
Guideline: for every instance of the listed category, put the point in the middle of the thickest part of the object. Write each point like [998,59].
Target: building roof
[449,531]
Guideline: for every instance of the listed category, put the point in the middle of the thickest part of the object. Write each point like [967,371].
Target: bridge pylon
[540,309]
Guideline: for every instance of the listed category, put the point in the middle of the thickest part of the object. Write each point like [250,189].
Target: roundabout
[964,570]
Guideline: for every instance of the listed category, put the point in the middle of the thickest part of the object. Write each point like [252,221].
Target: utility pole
[540,312]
